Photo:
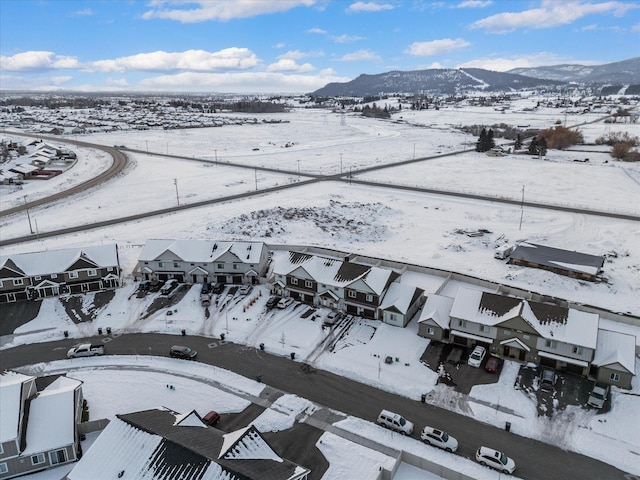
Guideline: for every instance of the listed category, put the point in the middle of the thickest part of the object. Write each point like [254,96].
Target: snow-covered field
[412,227]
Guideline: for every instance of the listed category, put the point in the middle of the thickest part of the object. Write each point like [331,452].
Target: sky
[293,46]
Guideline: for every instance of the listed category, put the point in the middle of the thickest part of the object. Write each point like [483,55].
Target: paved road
[535,460]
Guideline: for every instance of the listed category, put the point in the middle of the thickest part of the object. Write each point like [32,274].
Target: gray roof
[557,258]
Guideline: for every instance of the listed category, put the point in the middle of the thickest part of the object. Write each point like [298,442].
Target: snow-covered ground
[412,227]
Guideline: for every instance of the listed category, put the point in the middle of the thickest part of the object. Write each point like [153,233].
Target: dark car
[273,301]
[493,365]
[212,418]
[548,379]
[155,285]
[217,287]
[178,351]
[206,288]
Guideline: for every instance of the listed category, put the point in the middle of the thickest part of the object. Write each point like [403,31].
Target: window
[0,283]
[37,277]
[92,272]
[220,265]
[73,274]
[37,459]
[369,298]
[484,328]
[526,336]
[17,282]
[551,344]
[577,350]
[294,281]
[176,265]
[3,468]
[146,263]
[352,294]
[431,331]
[392,317]
[160,264]
[235,266]
[507,332]
[59,456]
[308,283]
[614,377]
[462,323]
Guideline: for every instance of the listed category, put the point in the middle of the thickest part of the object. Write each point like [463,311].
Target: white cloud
[289,65]
[360,55]
[636,27]
[36,60]
[317,30]
[369,7]
[258,82]
[436,47]
[474,4]
[297,54]
[221,10]
[196,60]
[345,38]
[117,82]
[84,13]
[524,61]
[550,14]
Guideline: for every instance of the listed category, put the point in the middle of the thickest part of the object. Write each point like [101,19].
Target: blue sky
[294,46]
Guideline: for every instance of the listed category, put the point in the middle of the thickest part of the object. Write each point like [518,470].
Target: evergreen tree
[482,141]
[518,144]
[542,147]
[533,146]
[490,142]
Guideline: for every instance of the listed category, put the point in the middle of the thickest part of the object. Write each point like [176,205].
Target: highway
[535,460]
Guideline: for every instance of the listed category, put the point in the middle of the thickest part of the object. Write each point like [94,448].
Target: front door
[505,351]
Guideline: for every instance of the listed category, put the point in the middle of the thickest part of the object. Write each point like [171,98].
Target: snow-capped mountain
[624,72]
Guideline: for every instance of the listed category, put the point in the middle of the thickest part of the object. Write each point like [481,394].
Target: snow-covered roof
[378,278]
[615,347]
[158,445]
[24,168]
[400,297]
[550,321]
[11,403]
[57,261]
[437,308]
[202,251]
[52,417]
[557,258]
[324,270]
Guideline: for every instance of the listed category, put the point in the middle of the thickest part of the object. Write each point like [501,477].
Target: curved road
[535,460]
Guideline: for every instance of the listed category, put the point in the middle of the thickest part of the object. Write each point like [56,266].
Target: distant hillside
[617,73]
[432,81]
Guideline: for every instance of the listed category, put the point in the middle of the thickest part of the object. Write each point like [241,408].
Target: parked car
[477,355]
[438,438]
[395,422]
[332,319]
[212,418]
[217,288]
[494,364]
[155,285]
[598,395]
[489,457]
[85,350]
[285,302]
[168,287]
[179,351]
[273,301]
[548,379]
[245,289]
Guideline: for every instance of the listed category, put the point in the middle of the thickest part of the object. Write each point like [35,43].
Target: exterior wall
[604,376]
[438,333]
[9,449]
[358,304]
[24,464]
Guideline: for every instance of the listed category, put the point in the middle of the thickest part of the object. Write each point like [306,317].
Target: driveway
[449,361]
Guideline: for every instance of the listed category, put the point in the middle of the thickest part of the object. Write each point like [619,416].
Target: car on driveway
[179,351]
[477,355]
[598,395]
[273,301]
[332,319]
[493,365]
[217,288]
[245,289]
[489,457]
[285,302]
[548,379]
[438,438]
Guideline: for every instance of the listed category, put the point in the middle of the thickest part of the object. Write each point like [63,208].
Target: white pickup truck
[85,350]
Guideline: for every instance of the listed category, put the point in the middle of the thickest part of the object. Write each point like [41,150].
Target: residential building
[199,261]
[614,361]
[434,319]
[31,276]
[38,430]
[164,445]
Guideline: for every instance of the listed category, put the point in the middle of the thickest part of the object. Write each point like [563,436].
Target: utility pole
[175,182]
[216,152]
[28,216]
[521,208]
[298,169]
[340,163]
[414,151]
[255,174]
[147,142]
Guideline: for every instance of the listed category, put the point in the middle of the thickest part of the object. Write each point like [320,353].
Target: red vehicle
[493,365]
[211,418]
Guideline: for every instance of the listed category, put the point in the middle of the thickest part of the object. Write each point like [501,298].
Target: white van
[395,422]
[285,302]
